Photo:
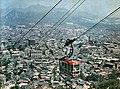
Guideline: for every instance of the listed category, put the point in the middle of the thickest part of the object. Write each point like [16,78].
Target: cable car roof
[70,62]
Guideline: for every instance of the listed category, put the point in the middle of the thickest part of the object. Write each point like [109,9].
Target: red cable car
[69,67]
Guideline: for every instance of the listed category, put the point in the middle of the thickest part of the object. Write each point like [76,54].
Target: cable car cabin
[69,68]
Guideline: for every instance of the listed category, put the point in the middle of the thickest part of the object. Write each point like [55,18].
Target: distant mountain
[33,13]
[4,12]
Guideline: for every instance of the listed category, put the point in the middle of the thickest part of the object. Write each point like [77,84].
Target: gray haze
[96,7]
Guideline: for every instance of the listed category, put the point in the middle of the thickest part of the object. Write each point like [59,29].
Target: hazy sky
[98,7]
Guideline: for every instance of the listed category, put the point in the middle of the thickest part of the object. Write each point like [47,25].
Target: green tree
[82,76]
[5,61]
[111,84]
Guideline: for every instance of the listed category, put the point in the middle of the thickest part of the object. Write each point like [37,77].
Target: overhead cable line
[31,29]
[60,21]
[63,16]
[70,41]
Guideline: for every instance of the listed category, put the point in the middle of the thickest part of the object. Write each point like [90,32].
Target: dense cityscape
[53,58]
[29,66]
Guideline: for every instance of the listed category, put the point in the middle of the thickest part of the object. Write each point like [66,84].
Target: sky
[97,7]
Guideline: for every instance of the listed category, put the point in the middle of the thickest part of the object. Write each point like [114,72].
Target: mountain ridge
[31,14]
